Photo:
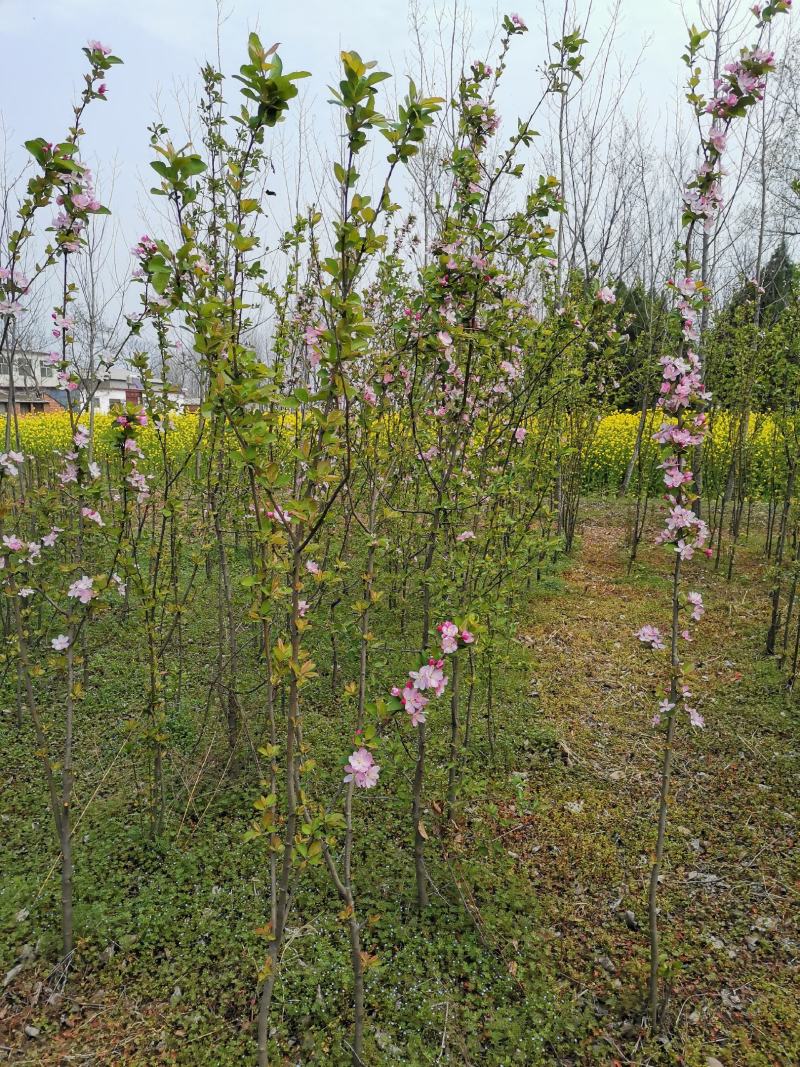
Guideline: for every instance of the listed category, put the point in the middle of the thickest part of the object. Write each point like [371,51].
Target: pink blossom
[312,335]
[362,769]
[449,645]
[664,708]
[60,643]
[82,590]
[145,248]
[520,434]
[698,609]
[466,535]
[413,701]
[449,637]
[686,286]
[684,549]
[312,567]
[717,139]
[651,635]
[92,515]
[695,718]
[280,516]
[98,46]
[430,676]
[136,480]
[674,477]
[9,462]
[606,295]
[61,323]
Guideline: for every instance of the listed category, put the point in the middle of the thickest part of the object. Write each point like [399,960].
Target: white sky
[163,42]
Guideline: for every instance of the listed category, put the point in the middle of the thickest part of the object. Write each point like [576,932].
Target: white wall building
[30,369]
[36,386]
[36,382]
[119,386]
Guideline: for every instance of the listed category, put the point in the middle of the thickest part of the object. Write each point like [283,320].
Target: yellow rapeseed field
[44,435]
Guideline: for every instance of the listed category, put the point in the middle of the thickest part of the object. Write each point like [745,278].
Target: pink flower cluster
[77,202]
[10,463]
[741,84]
[430,678]
[132,452]
[745,77]
[144,248]
[451,635]
[82,589]
[683,529]
[695,601]
[29,552]
[652,636]
[666,706]
[92,515]
[362,769]
[279,516]
[313,350]
[703,197]
[12,283]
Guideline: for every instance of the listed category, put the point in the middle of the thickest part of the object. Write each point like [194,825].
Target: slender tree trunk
[455,736]
[666,773]
[416,818]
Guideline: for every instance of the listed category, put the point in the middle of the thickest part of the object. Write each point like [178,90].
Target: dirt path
[729,899]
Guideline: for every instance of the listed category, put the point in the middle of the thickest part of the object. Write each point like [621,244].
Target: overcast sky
[162,43]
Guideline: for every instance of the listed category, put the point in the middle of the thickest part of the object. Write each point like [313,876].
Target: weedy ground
[534,949]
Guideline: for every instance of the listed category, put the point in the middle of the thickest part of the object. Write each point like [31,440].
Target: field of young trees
[427,696]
